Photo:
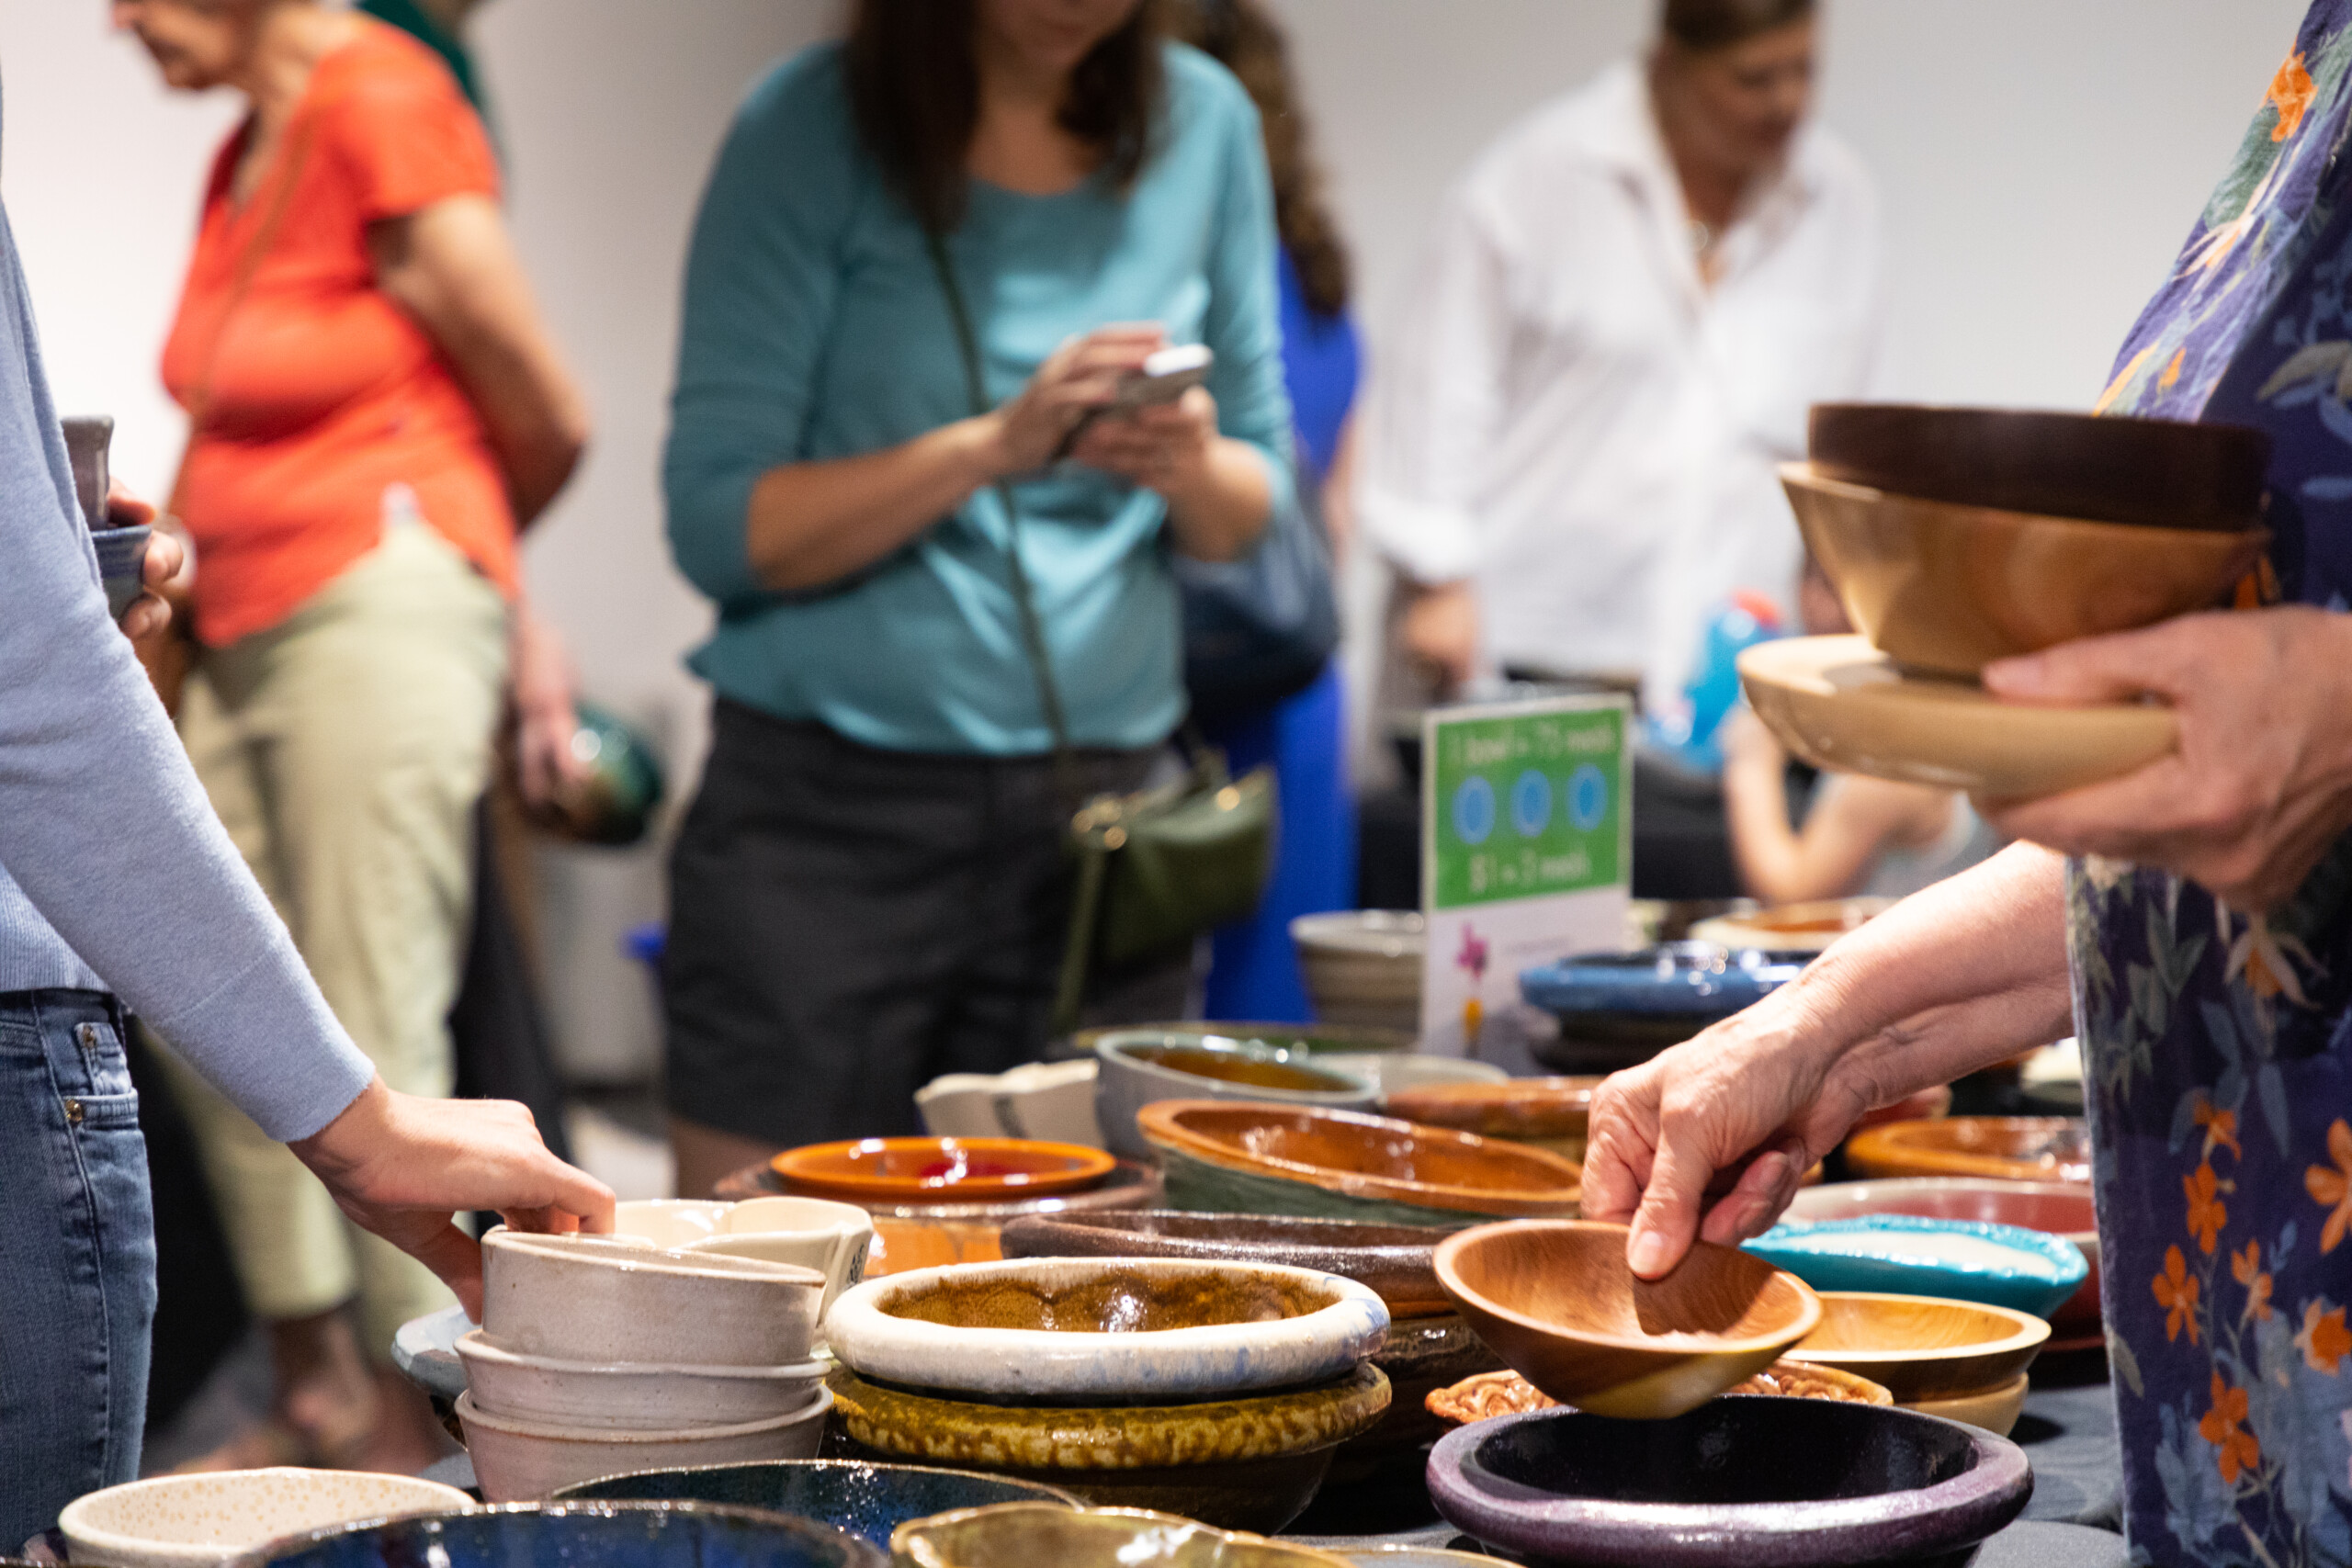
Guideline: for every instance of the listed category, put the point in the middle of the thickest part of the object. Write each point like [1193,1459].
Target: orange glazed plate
[970,1168]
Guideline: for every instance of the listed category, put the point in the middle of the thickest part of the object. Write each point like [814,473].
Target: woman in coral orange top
[375,411]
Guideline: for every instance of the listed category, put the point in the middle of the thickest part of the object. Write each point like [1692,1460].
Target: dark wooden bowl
[2156,473]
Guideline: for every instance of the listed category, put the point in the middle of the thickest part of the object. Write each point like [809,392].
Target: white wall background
[2040,163]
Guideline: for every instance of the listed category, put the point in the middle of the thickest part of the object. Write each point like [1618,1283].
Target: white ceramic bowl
[808,1233]
[1052,1100]
[1398,1070]
[604,1300]
[1286,1327]
[524,1462]
[192,1521]
[628,1395]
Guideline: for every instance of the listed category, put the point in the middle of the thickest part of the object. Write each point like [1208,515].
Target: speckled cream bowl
[606,1298]
[526,1461]
[625,1395]
[195,1521]
[1106,1330]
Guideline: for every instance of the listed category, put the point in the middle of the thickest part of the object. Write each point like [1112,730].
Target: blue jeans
[77,1258]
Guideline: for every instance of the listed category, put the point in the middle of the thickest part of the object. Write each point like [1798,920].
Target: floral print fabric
[2218,1071]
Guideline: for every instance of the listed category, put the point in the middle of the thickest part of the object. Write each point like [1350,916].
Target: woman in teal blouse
[871,889]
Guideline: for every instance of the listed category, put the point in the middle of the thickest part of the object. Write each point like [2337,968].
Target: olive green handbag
[1157,867]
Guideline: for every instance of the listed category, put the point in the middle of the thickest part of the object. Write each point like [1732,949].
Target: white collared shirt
[1571,420]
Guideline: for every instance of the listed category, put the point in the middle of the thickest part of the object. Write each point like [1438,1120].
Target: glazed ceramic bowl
[599,1300]
[811,1233]
[2154,473]
[1420,1356]
[521,1462]
[1995,1410]
[1028,1535]
[593,1535]
[1399,1071]
[1051,1100]
[964,1169]
[1394,1260]
[1790,928]
[1556,1301]
[425,1351]
[1140,1068]
[1319,1038]
[1618,1010]
[1920,1347]
[2062,1209]
[867,1500]
[1251,1462]
[194,1521]
[1741,1483]
[1487,1395]
[2028,1271]
[2003,1148]
[1548,1113]
[629,1395]
[1946,589]
[1273,1159]
[1363,966]
[1106,1331]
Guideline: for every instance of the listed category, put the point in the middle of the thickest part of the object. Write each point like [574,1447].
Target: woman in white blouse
[1634,295]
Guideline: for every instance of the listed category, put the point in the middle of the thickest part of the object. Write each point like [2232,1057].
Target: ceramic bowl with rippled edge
[641,1395]
[604,1300]
[2154,473]
[2003,1148]
[1033,1535]
[867,1500]
[1052,1100]
[1106,1331]
[1317,1039]
[1790,928]
[521,1462]
[1556,1301]
[1221,1157]
[579,1535]
[1550,1113]
[1394,1260]
[1363,966]
[1922,1347]
[1487,1396]
[1246,1463]
[967,1170]
[811,1232]
[2006,1266]
[194,1521]
[1740,1482]
[1618,1010]
[123,560]
[1139,1066]
[1995,1410]
[1945,590]
[2058,1208]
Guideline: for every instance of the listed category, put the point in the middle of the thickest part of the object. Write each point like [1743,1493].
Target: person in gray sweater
[118,882]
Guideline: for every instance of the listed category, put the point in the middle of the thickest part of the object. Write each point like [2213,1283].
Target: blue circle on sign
[1530,804]
[1473,811]
[1588,797]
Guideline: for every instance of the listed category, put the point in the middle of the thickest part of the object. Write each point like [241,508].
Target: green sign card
[1528,802]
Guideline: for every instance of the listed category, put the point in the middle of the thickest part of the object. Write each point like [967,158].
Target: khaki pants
[344,750]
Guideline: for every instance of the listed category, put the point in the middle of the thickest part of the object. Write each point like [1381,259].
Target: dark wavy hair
[914,89]
[1705,26]
[1243,38]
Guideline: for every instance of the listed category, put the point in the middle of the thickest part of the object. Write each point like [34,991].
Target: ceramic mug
[814,1233]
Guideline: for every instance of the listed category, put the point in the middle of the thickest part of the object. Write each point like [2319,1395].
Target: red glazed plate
[975,1169]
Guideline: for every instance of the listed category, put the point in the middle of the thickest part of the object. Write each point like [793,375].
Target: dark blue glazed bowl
[867,1500]
[578,1535]
[122,552]
[1618,1010]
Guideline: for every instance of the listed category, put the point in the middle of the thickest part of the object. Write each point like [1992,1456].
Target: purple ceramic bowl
[1745,1480]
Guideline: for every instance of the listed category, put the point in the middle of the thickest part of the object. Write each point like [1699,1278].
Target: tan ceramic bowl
[1947,588]
[196,1521]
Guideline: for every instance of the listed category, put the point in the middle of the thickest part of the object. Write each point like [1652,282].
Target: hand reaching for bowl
[400,1167]
[2261,783]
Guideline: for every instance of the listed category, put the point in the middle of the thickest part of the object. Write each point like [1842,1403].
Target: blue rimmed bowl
[1965,1260]
[867,1500]
[578,1535]
[1618,1010]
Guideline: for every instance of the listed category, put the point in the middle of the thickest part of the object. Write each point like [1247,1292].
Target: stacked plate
[603,1354]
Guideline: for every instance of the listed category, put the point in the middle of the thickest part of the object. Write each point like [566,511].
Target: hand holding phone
[1165,377]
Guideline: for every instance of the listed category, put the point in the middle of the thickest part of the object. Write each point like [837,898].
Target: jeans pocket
[103,1113]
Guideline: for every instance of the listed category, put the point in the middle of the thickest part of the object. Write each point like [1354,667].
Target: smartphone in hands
[1167,376]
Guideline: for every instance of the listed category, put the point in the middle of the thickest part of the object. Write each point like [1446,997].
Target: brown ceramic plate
[1394,1260]
[1490,1395]
[2006,1148]
[2155,473]
[964,1168]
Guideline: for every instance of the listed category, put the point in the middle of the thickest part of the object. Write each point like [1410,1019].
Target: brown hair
[914,90]
[1705,26]
[1240,35]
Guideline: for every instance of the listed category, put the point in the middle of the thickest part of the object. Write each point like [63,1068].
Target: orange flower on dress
[2333,1188]
[2246,1268]
[2291,93]
[2323,1340]
[2177,1293]
[2172,369]
[2207,1212]
[2220,1127]
[2240,1449]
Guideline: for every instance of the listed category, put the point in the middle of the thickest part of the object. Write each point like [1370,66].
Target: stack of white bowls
[600,1355]
[1363,966]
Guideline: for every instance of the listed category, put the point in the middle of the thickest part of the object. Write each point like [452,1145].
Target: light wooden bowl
[2004,1148]
[1554,1299]
[1995,1410]
[1922,1347]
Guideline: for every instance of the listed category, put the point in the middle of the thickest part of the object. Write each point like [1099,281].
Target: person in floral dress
[2192,922]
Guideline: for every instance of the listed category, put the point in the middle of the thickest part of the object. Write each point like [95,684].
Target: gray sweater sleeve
[103,825]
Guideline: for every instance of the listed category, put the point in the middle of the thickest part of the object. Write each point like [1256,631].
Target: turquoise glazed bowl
[867,1500]
[1961,1260]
